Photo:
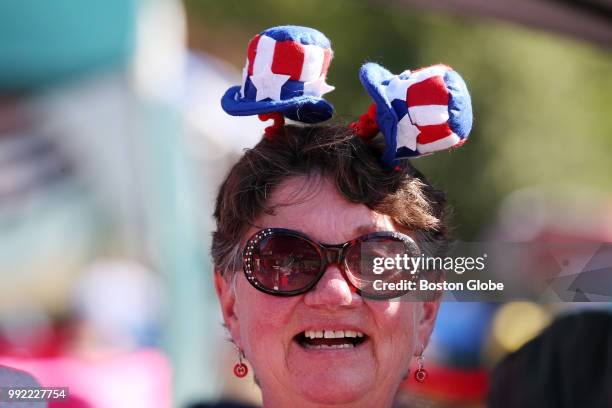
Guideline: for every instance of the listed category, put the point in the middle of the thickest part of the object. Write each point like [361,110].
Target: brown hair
[333,152]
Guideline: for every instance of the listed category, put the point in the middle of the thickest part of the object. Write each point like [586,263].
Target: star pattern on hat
[317,87]
[398,88]
[407,133]
[269,85]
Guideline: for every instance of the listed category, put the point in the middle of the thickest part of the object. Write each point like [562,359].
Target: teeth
[324,346]
[331,334]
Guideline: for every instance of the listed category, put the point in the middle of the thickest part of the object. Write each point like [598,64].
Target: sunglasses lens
[284,263]
[372,261]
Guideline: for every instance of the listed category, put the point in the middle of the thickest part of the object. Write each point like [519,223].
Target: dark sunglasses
[284,262]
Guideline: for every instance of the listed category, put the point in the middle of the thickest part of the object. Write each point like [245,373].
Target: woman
[327,184]
[299,219]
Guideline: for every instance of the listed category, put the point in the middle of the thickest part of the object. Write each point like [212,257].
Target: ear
[227,300]
[425,322]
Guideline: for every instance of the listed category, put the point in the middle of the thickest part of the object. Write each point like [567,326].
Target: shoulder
[11,377]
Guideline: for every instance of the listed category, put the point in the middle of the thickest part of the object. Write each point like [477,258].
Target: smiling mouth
[330,339]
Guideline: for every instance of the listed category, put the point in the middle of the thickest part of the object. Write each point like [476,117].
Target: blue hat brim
[459,106]
[372,76]
[307,109]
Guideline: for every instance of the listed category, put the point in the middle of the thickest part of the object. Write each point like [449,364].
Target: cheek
[263,320]
[396,329]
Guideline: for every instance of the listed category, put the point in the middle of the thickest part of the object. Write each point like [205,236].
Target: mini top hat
[285,72]
[418,112]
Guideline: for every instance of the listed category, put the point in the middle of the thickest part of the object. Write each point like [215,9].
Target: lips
[332,339]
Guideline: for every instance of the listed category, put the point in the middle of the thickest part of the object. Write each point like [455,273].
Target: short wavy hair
[333,152]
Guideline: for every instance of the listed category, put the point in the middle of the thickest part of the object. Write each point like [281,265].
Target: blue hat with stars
[285,72]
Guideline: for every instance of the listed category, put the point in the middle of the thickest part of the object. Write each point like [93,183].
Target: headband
[418,112]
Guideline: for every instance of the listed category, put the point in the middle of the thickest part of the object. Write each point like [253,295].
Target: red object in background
[73,401]
[451,385]
[120,380]
[51,343]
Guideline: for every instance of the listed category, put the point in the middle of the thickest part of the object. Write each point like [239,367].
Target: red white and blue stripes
[419,112]
[281,69]
[285,72]
[423,123]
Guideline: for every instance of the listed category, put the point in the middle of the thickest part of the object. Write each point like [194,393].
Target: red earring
[420,374]
[240,369]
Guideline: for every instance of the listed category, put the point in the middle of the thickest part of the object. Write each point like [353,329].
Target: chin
[336,385]
[332,374]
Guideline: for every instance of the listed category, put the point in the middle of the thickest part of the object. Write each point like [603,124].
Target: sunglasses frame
[327,252]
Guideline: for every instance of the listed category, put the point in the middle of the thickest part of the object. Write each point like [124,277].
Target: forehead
[314,206]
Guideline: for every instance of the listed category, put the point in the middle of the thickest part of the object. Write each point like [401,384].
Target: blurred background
[113,144]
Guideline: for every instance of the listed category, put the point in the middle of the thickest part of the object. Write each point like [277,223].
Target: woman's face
[267,327]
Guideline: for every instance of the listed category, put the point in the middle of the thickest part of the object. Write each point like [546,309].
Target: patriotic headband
[418,112]
[284,75]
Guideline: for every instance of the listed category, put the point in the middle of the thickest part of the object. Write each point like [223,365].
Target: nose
[332,291]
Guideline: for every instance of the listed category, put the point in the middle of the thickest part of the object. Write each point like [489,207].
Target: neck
[379,398]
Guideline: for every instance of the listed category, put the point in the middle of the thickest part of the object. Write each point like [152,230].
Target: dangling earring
[420,374]
[240,369]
